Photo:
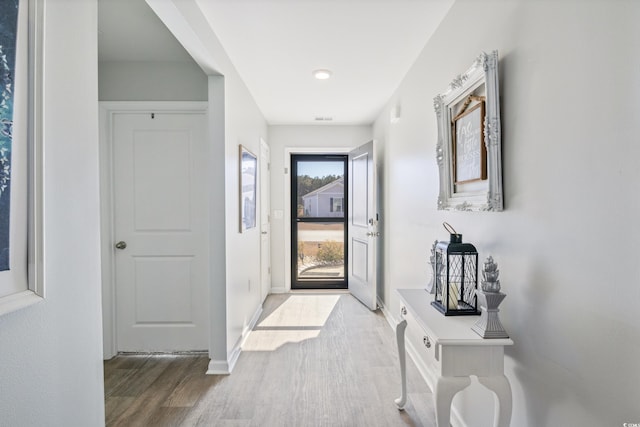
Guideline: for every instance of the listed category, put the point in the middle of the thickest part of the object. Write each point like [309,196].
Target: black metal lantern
[456,274]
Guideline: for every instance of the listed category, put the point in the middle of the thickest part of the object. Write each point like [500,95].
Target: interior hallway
[313,359]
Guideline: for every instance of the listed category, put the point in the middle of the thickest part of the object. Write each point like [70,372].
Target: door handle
[121,245]
[373,234]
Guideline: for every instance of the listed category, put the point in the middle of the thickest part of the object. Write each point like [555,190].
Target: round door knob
[121,245]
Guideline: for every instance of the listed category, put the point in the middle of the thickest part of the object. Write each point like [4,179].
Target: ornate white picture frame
[479,84]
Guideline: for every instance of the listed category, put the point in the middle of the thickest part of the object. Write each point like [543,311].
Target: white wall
[284,140]
[565,243]
[244,125]
[151,81]
[234,119]
[51,353]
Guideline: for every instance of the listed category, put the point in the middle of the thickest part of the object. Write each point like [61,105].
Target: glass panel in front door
[320,251]
[318,231]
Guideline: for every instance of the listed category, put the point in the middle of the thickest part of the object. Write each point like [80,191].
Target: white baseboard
[252,324]
[218,367]
[234,355]
[278,290]
[224,367]
[391,320]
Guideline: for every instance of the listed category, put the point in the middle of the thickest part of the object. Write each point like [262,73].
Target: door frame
[288,151]
[265,207]
[107,109]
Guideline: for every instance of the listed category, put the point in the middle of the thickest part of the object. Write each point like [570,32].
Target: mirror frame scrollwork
[481,77]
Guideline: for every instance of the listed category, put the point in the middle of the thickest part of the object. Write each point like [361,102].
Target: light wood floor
[312,360]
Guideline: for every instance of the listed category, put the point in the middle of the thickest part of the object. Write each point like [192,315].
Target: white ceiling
[369,45]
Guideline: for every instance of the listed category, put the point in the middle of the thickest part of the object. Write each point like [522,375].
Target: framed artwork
[248,185]
[469,146]
[21,281]
[469,153]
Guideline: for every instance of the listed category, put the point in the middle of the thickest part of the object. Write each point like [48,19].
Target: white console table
[457,353]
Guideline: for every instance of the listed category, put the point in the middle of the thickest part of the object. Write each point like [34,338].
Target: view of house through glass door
[318,226]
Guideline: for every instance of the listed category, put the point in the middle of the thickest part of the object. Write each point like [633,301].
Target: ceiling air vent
[323,119]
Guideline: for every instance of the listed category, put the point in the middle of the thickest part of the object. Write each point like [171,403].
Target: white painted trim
[218,367]
[288,151]
[18,300]
[234,355]
[216,192]
[34,287]
[36,255]
[265,199]
[106,110]
[387,314]
[237,349]
[252,324]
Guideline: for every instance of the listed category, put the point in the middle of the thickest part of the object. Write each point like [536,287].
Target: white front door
[363,225]
[160,229]
[265,220]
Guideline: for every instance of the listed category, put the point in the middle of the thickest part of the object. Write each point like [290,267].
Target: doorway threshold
[319,291]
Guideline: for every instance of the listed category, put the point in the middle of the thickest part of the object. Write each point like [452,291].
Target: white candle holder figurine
[489,298]
[436,267]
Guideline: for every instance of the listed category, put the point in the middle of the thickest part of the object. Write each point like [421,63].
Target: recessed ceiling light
[322,74]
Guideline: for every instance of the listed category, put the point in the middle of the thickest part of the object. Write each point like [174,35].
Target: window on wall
[336,204]
[21,282]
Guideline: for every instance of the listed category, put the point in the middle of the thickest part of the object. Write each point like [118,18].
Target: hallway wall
[151,81]
[51,353]
[570,94]
[234,119]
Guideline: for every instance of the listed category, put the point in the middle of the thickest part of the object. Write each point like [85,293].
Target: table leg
[501,387]
[446,388]
[402,355]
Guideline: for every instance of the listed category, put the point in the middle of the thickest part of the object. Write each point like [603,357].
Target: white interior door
[265,219]
[363,225]
[160,230]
